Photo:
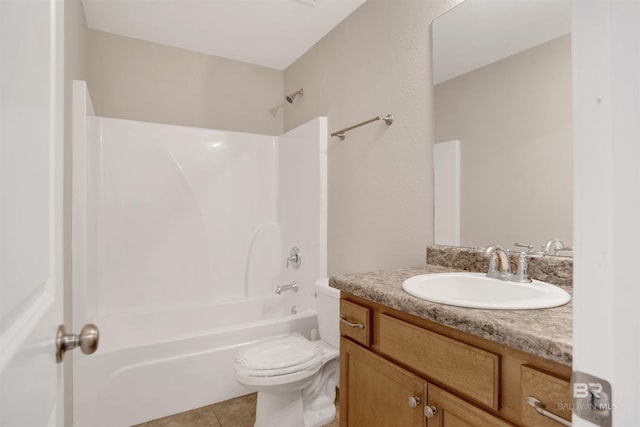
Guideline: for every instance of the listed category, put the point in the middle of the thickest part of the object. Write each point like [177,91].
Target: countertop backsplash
[551,269]
[543,332]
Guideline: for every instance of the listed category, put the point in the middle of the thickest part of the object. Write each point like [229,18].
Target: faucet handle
[493,267]
[524,245]
[534,254]
[295,258]
[522,275]
[565,249]
[493,262]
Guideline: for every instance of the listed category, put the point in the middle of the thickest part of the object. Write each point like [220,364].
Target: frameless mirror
[502,76]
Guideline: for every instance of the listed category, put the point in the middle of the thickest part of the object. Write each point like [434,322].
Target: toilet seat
[279,356]
[281,360]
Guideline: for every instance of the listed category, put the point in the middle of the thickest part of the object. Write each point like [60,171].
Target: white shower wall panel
[302,202]
[180,236]
[179,210]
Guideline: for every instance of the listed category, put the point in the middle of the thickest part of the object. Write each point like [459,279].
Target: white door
[606,103]
[31,143]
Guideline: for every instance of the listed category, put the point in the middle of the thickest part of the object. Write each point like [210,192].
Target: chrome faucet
[497,253]
[503,272]
[293,286]
[554,247]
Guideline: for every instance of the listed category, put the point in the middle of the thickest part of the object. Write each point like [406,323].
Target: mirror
[502,88]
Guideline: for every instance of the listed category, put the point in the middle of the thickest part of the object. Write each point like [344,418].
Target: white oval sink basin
[476,290]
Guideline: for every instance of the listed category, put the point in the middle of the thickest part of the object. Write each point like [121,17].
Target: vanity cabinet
[544,387]
[379,392]
[452,411]
[402,370]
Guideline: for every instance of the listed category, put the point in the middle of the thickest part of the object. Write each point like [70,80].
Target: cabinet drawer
[553,392]
[469,370]
[355,322]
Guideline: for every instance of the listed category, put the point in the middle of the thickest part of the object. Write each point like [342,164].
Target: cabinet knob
[414,401]
[430,411]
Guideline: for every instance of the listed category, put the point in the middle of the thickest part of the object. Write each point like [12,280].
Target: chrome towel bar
[388,119]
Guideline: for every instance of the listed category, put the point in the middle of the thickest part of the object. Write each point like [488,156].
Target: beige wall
[374,62]
[513,119]
[138,80]
[380,178]
[75,58]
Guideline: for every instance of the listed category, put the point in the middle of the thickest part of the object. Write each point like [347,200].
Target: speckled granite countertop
[544,332]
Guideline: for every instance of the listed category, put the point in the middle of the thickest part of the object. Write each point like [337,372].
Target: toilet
[296,378]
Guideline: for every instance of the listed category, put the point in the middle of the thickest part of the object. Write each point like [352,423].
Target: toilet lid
[279,356]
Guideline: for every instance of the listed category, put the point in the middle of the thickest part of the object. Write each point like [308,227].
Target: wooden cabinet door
[375,392]
[451,411]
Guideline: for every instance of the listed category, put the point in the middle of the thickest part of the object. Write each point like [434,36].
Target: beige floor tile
[238,412]
[201,417]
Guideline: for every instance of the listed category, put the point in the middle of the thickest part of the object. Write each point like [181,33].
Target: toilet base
[310,406]
[287,410]
[320,417]
[281,409]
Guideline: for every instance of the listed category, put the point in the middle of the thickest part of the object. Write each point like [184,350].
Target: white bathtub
[150,365]
[168,220]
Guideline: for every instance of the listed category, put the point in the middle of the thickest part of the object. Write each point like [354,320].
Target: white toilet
[296,378]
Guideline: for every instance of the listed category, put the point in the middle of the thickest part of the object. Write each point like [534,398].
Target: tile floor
[238,412]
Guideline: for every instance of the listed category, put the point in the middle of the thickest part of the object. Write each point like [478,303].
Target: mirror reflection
[502,76]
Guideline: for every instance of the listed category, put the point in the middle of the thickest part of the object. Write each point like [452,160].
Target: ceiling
[271,33]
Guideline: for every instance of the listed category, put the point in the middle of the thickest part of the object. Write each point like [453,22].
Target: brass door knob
[87,340]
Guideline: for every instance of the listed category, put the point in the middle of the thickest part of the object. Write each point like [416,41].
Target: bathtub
[169,224]
[153,364]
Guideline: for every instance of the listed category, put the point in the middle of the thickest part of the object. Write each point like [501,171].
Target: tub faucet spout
[293,286]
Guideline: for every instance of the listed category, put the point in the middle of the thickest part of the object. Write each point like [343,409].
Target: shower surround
[180,236]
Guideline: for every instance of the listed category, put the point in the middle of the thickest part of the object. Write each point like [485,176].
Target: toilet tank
[328,307]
